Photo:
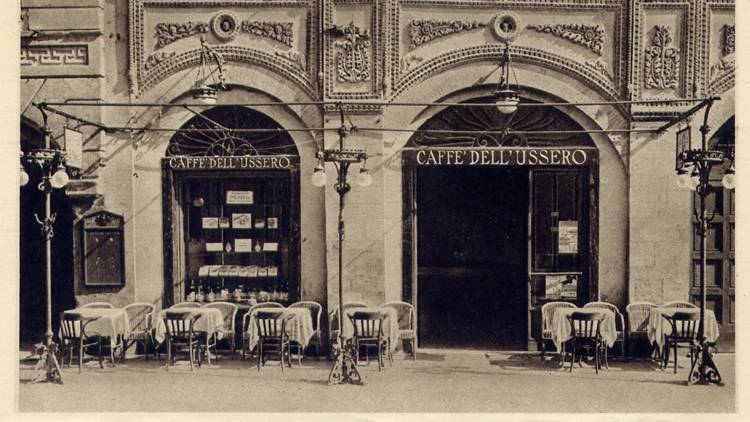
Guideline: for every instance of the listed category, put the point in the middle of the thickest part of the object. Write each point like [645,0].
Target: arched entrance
[499,221]
[32,265]
[231,201]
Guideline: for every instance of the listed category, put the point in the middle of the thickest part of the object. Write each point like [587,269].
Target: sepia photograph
[380,210]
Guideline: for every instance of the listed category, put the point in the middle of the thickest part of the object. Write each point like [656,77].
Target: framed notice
[553,286]
[210,222]
[243,245]
[272,223]
[270,247]
[214,247]
[567,237]
[260,223]
[682,145]
[239,197]
[242,221]
[223,222]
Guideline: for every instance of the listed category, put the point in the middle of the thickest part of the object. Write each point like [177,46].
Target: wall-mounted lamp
[506,96]
[203,92]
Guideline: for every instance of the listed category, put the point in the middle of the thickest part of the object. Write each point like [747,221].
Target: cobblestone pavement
[439,382]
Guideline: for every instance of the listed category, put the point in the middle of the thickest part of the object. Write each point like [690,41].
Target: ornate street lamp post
[694,169]
[51,162]
[344,370]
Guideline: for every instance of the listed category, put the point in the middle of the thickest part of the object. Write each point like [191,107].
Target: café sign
[260,162]
[504,157]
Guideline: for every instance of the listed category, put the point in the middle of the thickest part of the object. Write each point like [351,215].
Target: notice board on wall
[103,254]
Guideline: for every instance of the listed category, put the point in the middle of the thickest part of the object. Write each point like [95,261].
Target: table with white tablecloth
[658,326]
[299,327]
[110,322]
[211,321]
[561,330]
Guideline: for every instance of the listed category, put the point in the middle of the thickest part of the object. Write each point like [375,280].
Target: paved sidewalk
[439,381]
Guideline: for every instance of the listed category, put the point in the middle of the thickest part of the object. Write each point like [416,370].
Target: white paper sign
[239,197]
[74,149]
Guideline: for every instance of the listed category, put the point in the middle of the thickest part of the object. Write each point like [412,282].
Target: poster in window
[210,223]
[272,223]
[223,222]
[242,221]
[239,197]
[569,287]
[567,237]
[553,286]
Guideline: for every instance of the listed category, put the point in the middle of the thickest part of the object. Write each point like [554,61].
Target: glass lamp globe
[319,176]
[695,180]
[728,181]
[364,178]
[60,178]
[23,177]
[506,101]
[683,178]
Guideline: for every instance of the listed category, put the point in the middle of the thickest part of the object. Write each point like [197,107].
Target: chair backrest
[638,316]
[351,305]
[684,325]
[271,323]
[367,324]
[186,305]
[315,309]
[73,326]
[548,310]
[679,304]
[103,305]
[585,324]
[619,319]
[405,312]
[228,312]
[179,324]
[140,316]
[266,305]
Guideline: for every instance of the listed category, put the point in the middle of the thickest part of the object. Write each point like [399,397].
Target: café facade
[475,216]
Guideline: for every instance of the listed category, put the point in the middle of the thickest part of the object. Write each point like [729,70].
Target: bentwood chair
[74,337]
[272,336]
[638,318]
[333,320]
[102,305]
[186,305]
[679,304]
[246,324]
[140,319]
[586,337]
[315,310]
[548,311]
[619,322]
[368,333]
[407,334]
[181,337]
[229,313]
[683,335]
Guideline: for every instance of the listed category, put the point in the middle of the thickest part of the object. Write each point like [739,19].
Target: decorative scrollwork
[167,33]
[590,36]
[423,31]
[295,57]
[353,57]
[728,40]
[157,57]
[278,31]
[662,61]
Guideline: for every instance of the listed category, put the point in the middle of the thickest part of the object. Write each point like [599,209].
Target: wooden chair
[683,335]
[180,336]
[585,335]
[407,333]
[619,321]
[315,310]
[368,333]
[74,337]
[272,336]
[102,305]
[333,320]
[229,313]
[638,315]
[140,319]
[246,323]
[679,304]
[548,311]
[186,305]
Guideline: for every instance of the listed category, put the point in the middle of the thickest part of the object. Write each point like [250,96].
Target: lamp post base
[344,369]
[47,369]
[703,370]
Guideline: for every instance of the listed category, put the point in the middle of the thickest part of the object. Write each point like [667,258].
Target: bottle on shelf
[199,295]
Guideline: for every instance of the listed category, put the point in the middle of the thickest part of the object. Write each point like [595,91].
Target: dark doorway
[471,257]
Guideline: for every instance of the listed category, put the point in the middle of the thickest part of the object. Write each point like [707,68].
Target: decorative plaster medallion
[279,31]
[353,57]
[591,36]
[169,32]
[662,61]
[506,26]
[224,25]
[423,31]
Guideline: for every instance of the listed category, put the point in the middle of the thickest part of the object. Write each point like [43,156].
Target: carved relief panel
[718,70]
[353,50]
[165,38]
[584,39]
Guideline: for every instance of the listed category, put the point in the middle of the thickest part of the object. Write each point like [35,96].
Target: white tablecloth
[561,325]
[658,326]
[110,323]
[211,321]
[299,328]
[390,324]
